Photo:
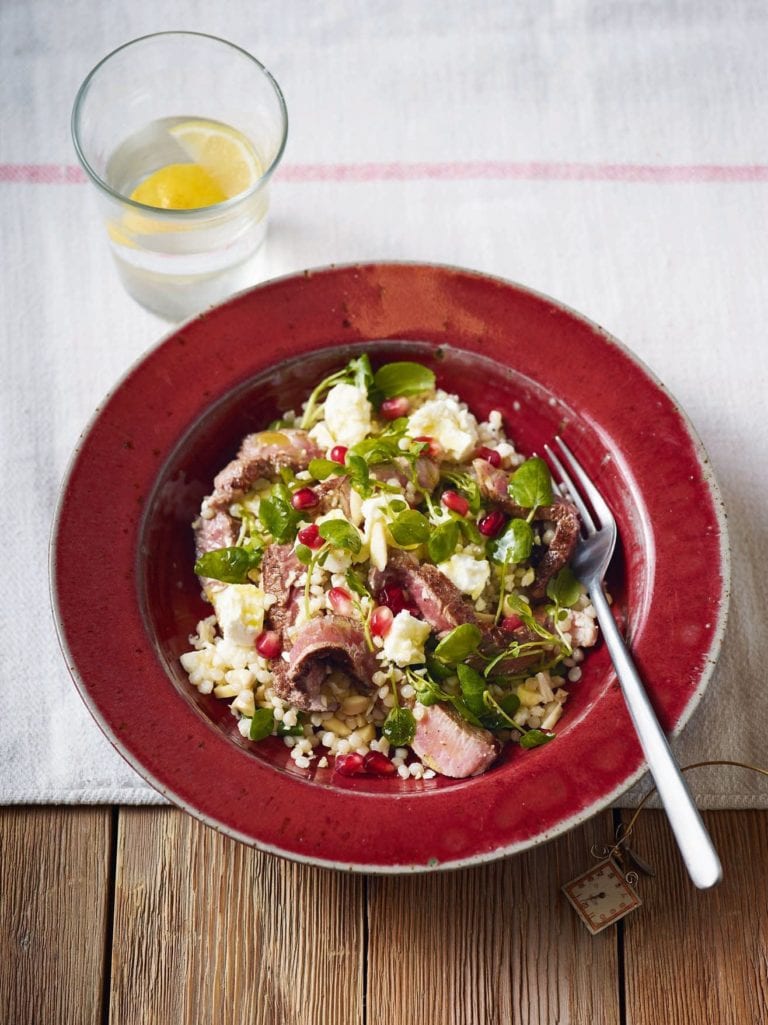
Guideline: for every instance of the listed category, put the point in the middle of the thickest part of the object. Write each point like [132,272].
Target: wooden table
[142,916]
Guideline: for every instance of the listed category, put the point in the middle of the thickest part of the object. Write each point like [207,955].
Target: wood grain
[692,956]
[209,931]
[496,944]
[54,865]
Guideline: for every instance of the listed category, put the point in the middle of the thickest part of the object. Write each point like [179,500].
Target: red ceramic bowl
[127,600]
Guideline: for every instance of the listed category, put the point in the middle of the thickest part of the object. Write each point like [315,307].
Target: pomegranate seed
[304,498]
[341,601]
[393,597]
[454,501]
[491,524]
[339,454]
[392,409]
[268,644]
[381,621]
[310,536]
[433,449]
[490,455]
[378,764]
[511,623]
[349,765]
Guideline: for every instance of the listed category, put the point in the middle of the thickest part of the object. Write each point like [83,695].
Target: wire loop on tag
[623,832]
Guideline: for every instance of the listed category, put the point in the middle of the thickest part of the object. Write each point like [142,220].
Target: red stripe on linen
[487,170]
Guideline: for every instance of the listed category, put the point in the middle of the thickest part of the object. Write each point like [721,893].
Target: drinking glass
[176,262]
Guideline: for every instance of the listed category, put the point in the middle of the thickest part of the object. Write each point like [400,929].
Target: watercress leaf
[396,429]
[510,704]
[358,472]
[515,544]
[443,540]
[399,727]
[564,589]
[290,731]
[410,528]
[341,535]
[495,718]
[535,738]
[262,724]
[323,468]
[459,644]
[471,534]
[303,554]
[231,565]
[356,584]
[464,711]
[281,488]
[428,692]
[438,670]
[472,687]
[403,379]
[279,518]
[376,450]
[531,484]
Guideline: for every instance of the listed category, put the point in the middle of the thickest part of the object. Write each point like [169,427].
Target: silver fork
[593,553]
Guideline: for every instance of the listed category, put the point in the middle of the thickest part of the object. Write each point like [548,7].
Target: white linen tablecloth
[613,155]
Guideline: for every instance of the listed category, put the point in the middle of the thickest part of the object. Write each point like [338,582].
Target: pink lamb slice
[451,746]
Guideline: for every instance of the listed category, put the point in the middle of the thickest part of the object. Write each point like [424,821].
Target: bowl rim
[563,825]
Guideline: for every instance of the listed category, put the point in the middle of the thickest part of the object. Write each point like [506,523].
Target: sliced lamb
[261,455]
[437,598]
[218,531]
[565,518]
[333,493]
[448,744]
[494,485]
[323,643]
[280,571]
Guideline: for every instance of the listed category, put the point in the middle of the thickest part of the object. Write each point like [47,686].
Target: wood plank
[496,944]
[54,885]
[692,956]
[208,930]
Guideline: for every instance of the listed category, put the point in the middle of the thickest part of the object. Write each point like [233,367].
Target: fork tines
[588,489]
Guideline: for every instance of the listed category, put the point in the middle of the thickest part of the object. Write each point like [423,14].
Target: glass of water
[181,133]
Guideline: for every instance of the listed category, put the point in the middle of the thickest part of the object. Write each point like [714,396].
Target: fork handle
[693,840]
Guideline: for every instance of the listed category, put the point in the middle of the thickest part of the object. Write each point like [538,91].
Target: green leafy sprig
[231,565]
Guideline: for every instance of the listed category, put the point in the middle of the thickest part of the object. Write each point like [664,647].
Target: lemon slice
[224,153]
[179,187]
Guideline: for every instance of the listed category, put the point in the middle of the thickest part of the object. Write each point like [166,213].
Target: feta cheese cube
[347,414]
[450,423]
[404,644]
[469,574]
[240,612]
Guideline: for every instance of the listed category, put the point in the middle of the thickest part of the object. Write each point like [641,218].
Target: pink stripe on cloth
[487,170]
[42,174]
[499,170]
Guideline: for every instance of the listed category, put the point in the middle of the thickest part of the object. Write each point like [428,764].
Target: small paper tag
[601,896]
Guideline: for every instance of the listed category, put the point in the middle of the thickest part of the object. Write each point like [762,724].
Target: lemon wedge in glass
[222,152]
[179,187]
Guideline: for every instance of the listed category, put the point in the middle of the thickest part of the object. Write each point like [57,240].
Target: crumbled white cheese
[470,575]
[321,436]
[450,423]
[347,414]
[404,644]
[240,612]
